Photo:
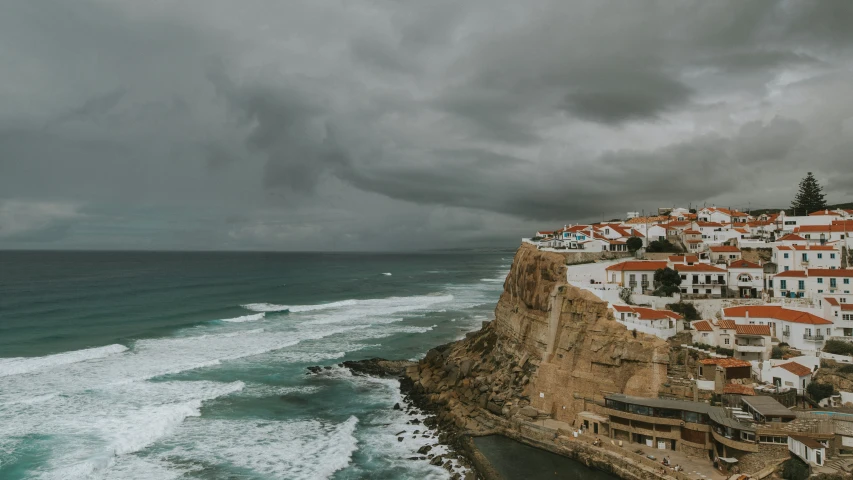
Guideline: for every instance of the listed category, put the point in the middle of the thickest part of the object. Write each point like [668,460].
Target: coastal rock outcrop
[551,351]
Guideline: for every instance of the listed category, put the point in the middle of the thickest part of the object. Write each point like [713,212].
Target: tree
[661,246]
[819,391]
[810,198]
[795,469]
[634,244]
[667,281]
[685,309]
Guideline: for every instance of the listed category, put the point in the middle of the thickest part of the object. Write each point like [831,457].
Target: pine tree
[810,198]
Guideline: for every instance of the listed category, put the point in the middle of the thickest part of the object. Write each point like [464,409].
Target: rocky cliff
[553,350]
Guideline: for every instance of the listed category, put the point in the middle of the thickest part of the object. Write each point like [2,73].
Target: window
[787,268]
[783,284]
[786,255]
[819,255]
[802,284]
[805,257]
[832,256]
[726,341]
[770,283]
[832,283]
[695,290]
[684,277]
[819,280]
[708,291]
[846,281]
[847,316]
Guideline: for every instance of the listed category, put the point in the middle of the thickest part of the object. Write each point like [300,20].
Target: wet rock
[399,439]
[315,369]
[425,449]
[397,406]
[437,460]
[400,433]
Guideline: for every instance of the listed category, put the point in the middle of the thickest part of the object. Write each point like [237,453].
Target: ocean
[121,365]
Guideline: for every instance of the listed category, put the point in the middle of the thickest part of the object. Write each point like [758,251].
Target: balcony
[813,338]
[750,348]
[736,444]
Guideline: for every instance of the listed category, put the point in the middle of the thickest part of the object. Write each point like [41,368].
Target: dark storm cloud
[305,125]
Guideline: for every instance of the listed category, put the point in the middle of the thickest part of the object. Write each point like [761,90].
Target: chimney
[747,315]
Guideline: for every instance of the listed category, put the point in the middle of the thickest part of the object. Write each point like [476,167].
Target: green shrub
[848,368]
[795,469]
[777,353]
[726,351]
[838,347]
[662,246]
[686,310]
[819,391]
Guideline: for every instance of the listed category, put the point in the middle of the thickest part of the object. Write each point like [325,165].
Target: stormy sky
[406,124]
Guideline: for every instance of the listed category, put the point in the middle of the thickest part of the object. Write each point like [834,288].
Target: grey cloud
[303,125]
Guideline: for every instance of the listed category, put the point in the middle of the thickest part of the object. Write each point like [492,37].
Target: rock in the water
[437,460]
[425,449]
[397,406]
[399,439]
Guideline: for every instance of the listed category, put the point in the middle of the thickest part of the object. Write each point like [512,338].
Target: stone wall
[574,258]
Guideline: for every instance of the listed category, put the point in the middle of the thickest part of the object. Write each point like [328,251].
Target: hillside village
[761,309]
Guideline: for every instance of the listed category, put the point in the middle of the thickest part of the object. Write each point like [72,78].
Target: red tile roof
[647,313]
[738,389]
[752,330]
[847,307]
[832,301]
[725,248]
[743,264]
[698,267]
[796,369]
[727,324]
[791,238]
[646,219]
[776,312]
[831,272]
[652,314]
[637,266]
[703,326]
[692,232]
[727,362]
[824,212]
[710,224]
[814,247]
[792,274]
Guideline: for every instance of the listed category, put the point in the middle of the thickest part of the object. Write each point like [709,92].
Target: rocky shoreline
[551,352]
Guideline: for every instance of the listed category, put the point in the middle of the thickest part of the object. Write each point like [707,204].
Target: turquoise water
[192,365]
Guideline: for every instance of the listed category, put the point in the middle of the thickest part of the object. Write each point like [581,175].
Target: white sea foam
[89,429]
[271,307]
[295,450]
[387,274]
[19,365]
[246,318]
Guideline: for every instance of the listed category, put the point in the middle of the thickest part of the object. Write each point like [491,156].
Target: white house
[839,309]
[798,257]
[808,449]
[725,254]
[812,283]
[838,231]
[637,275]
[661,323]
[788,223]
[722,215]
[702,279]
[793,375]
[801,330]
[747,278]
[749,342]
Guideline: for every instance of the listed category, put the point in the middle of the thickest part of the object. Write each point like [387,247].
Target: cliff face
[551,350]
